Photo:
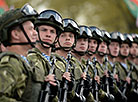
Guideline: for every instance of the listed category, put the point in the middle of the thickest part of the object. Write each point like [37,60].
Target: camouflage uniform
[40,62]
[78,70]
[40,67]
[15,72]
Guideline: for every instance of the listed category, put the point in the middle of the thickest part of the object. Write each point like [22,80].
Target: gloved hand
[87,85]
[69,83]
[79,98]
[109,98]
[54,89]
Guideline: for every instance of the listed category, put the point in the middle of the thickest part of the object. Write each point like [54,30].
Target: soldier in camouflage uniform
[114,46]
[66,41]
[49,26]
[127,72]
[133,49]
[18,35]
[94,42]
[78,52]
[132,55]
[101,56]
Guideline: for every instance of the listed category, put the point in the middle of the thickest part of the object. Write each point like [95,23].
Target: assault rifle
[45,94]
[64,90]
[80,88]
[106,78]
[126,83]
[96,84]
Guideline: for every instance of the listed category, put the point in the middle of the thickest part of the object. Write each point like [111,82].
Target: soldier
[114,46]
[134,76]
[126,70]
[18,35]
[66,41]
[103,46]
[78,52]
[93,42]
[49,26]
[122,59]
[134,48]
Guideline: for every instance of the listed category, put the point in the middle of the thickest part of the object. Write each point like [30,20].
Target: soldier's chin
[46,45]
[134,56]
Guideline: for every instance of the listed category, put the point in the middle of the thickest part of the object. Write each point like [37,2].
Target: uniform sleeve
[11,82]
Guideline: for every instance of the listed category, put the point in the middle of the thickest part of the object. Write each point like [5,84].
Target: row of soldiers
[46,58]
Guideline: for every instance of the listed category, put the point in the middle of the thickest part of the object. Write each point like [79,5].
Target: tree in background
[111,15]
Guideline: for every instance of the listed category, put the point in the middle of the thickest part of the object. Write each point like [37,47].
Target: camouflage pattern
[40,66]
[79,68]
[14,72]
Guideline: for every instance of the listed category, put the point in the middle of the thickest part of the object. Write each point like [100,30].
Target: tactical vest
[40,68]
[21,89]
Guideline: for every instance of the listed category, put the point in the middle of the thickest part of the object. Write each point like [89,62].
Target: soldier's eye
[43,30]
[52,31]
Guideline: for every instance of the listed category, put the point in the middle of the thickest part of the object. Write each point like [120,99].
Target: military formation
[45,58]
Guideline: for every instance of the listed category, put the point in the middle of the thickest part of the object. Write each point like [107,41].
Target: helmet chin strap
[101,53]
[123,56]
[81,53]
[110,53]
[64,48]
[42,42]
[23,43]
[29,41]
[133,56]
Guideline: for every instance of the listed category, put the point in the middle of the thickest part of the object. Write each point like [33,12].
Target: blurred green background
[110,15]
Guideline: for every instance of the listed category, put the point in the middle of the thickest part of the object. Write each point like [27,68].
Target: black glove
[109,98]
[78,98]
[54,89]
[87,85]
[48,91]
[120,97]
[71,83]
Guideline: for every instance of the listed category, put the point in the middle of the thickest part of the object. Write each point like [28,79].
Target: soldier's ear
[15,34]
[56,40]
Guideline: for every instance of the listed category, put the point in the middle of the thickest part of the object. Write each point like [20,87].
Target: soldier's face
[124,49]
[31,32]
[47,34]
[82,45]
[66,39]
[114,48]
[134,49]
[92,45]
[102,47]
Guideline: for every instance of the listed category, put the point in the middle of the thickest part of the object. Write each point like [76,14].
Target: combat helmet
[50,18]
[127,39]
[106,36]
[97,34]
[85,32]
[69,25]
[117,37]
[13,18]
